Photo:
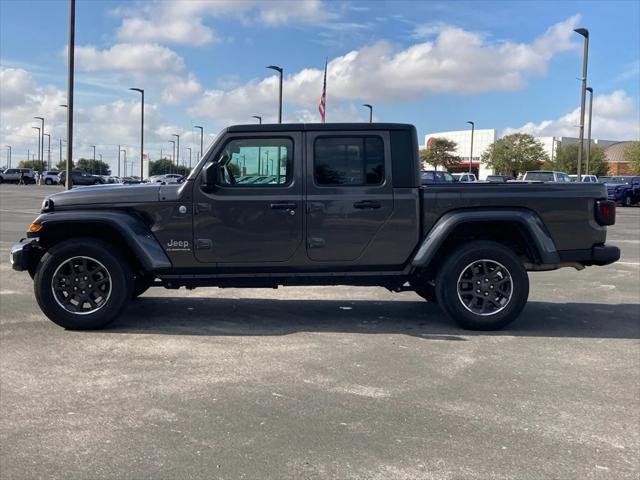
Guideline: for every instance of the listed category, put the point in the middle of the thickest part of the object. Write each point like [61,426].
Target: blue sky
[505,65]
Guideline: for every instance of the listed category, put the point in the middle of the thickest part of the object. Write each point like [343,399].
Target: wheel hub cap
[81,285]
[485,287]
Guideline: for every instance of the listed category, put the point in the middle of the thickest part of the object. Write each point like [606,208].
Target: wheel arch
[125,232]
[521,230]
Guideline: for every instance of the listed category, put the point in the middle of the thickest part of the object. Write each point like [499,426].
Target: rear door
[349,192]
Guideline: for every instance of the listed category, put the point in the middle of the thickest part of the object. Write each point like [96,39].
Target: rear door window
[349,161]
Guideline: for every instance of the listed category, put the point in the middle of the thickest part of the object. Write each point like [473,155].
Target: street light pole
[189,148]
[473,125]
[93,165]
[48,149]
[590,90]
[370,107]
[119,146]
[141,131]
[173,142]
[279,70]
[125,162]
[41,143]
[38,128]
[9,156]
[585,56]
[201,135]
[70,74]
[177,149]
[258,117]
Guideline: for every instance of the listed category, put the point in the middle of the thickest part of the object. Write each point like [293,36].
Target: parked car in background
[497,178]
[434,176]
[465,177]
[167,178]
[546,176]
[584,178]
[624,190]
[12,175]
[78,177]
[130,180]
[50,177]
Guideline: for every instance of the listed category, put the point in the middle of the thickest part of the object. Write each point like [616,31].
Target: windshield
[445,176]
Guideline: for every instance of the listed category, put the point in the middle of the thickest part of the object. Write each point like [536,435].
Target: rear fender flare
[540,240]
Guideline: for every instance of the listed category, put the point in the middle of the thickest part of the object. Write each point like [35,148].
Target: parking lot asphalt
[323,383]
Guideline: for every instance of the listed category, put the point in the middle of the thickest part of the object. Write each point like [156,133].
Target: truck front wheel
[83,284]
[482,286]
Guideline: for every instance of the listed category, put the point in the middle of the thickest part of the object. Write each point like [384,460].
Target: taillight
[605,212]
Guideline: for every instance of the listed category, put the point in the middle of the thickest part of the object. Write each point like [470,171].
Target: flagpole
[322,107]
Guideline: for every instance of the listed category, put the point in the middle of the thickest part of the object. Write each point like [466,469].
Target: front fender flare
[527,220]
[136,234]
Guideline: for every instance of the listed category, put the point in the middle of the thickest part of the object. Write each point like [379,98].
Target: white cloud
[182,22]
[631,71]
[178,30]
[105,125]
[180,89]
[616,116]
[15,85]
[455,61]
[128,57]
[158,67]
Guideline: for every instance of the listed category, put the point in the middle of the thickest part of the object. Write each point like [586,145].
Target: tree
[440,152]
[35,164]
[515,154]
[632,155]
[164,165]
[566,160]
[95,167]
[62,166]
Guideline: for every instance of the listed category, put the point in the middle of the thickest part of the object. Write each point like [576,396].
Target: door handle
[284,206]
[367,204]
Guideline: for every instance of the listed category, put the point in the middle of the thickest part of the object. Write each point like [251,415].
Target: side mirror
[210,176]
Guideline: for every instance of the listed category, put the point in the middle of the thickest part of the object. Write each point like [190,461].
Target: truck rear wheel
[83,284]
[482,286]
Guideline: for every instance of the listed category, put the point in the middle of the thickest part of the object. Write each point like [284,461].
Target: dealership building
[483,138]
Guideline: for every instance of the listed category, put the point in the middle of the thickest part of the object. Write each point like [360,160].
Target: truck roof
[271,127]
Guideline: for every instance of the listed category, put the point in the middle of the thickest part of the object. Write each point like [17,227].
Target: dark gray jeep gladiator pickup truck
[311,204]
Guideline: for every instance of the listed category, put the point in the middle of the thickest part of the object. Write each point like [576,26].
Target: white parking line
[18,211]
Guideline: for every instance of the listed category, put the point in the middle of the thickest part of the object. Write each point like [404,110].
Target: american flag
[322,107]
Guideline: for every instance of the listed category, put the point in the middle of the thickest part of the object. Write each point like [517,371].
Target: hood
[615,184]
[107,194]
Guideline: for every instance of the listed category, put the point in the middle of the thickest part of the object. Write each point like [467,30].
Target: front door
[255,213]
[349,193]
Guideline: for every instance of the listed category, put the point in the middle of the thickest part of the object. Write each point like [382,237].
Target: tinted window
[256,162]
[349,161]
[445,177]
[540,176]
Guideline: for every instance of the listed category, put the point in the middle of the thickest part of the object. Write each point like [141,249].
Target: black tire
[101,258]
[626,202]
[1,179]
[463,267]
[48,181]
